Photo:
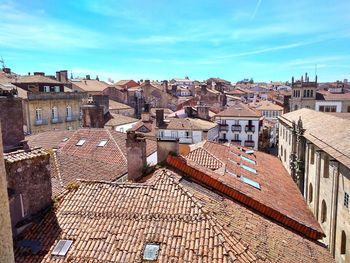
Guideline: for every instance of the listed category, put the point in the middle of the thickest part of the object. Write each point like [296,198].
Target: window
[236,122]
[250,182]
[80,142]
[247,168]
[285,155]
[326,166]
[346,200]
[46,88]
[311,192]
[187,134]
[304,93]
[57,88]
[61,248]
[54,113]
[250,137]
[151,252]
[312,154]
[102,143]
[38,114]
[236,137]
[323,212]
[311,93]
[343,243]
[69,111]
[281,151]
[248,160]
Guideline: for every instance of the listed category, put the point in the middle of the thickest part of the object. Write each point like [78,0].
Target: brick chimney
[189,111]
[145,115]
[93,116]
[6,244]
[203,112]
[12,128]
[136,155]
[159,117]
[204,89]
[147,82]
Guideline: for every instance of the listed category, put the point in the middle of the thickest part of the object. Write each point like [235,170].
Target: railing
[223,140]
[56,95]
[40,122]
[57,120]
[249,143]
[72,118]
[223,127]
[167,137]
[236,141]
[249,128]
[236,127]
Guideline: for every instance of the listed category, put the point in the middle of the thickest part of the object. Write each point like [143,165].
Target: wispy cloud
[256,9]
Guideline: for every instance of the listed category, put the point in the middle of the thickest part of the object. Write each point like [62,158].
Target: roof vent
[151,252]
[62,248]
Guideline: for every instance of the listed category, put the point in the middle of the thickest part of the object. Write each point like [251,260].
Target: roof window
[248,160]
[62,248]
[65,139]
[151,252]
[247,168]
[102,143]
[250,182]
[231,173]
[80,142]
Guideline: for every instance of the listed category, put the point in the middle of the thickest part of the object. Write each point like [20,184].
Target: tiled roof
[240,110]
[205,158]
[112,222]
[278,196]
[188,124]
[318,126]
[127,83]
[114,105]
[36,79]
[118,119]
[326,95]
[21,155]
[90,85]
[49,139]
[266,105]
[150,126]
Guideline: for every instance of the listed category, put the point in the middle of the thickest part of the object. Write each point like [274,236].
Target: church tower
[303,93]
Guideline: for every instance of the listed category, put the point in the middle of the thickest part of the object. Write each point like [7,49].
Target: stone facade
[29,184]
[303,93]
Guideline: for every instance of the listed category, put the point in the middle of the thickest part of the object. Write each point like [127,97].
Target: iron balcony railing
[249,128]
[236,128]
[223,127]
[41,121]
[57,120]
[249,143]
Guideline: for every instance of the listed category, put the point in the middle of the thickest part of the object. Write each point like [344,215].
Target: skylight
[249,151]
[61,248]
[231,173]
[250,182]
[245,167]
[65,139]
[102,143]
[248,160]
[232,161]
[151,252]
[80,142]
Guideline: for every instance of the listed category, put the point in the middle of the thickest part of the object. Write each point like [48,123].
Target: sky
[267,40]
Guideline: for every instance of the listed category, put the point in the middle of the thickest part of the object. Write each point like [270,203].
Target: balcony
[56,120]
[223,140]
[57,96]
[249,143]
[249,128]
[40,122]
[236,128]
[72,118]
[223,127]
[236,142]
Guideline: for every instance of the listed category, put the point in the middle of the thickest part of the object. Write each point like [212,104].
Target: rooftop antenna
[2,62]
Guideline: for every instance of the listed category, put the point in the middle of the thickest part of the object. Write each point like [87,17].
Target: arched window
[343,243]
[69,111]
[323,211]
[311,192]
[54,113]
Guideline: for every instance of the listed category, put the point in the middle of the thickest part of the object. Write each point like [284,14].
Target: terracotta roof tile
[49,139]
[118,119]
[240,110]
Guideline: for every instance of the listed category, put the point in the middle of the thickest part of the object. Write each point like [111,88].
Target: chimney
[189,111]
[203,89]
[159,117]
[292,81]
[95,112]
[28,73]
[58,76]
[145,115]
[12,128]
[173,89]
[165,85]
[203,112]
[63,76]
[166,147]
[136,155]
[147,82]
[87,77]
[97,78]
[6,244]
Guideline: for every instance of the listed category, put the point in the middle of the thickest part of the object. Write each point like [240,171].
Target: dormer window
[81,142]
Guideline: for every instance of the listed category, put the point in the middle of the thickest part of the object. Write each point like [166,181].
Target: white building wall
[124,127]
[152,159]
[338,104]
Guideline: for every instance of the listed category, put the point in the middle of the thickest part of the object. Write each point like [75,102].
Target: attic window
[151,252]
[80,142]
[102,143]
[247,168]
[65,139]
[250,182]
[61,248]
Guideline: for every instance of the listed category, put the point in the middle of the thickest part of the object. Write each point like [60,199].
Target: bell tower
[303,93]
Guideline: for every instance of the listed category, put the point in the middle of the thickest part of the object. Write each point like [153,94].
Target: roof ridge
[111,135]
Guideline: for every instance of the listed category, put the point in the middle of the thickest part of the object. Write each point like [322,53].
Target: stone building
[47,104]
[314,148]
[303,93]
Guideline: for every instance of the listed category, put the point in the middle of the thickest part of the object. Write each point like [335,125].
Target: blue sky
[161,39]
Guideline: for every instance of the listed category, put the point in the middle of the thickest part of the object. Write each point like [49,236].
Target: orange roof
[259,181]
[239,110]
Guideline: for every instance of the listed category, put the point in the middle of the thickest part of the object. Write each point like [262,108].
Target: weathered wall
[6,246]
